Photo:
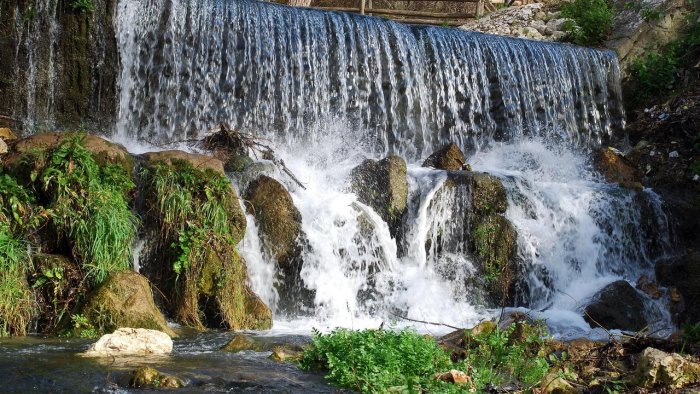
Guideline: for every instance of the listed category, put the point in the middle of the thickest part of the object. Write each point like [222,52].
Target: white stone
[132,341]
[3,147]
[673,154]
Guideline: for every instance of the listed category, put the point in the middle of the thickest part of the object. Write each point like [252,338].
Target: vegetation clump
[198,215]
[384,361]
[86,6]
[590,23]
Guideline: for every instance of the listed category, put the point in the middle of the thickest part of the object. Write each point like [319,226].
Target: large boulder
[449,158]
[194,222]
[124,300]
[131,342]
[667,370]
[683,274]
[617,306]
[383,186]
[279,224]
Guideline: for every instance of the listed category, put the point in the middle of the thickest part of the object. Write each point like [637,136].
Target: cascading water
[330,89]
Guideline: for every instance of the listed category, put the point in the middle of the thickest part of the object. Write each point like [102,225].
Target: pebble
[673,154]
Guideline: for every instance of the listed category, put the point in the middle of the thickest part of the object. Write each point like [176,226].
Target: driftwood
[226,142]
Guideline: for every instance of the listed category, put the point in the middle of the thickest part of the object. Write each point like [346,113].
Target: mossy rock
[616,306]
[383,185]
[247,172]
[279,221]
[25,154]
[487,191]
[124,300]
[199,162]
[449,158]
[494,242]
[241,342]
[286,353]
[144,377]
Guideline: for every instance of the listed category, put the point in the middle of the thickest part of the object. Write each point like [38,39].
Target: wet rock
[125,299]
[649,287]
[132,341]
[484,327]
[279,224]
[494,243]
[149,377]
[383,186]
[286,353]
[239,343]
[616,168]
[449,158]
[247,171]
[671,370]
[616,306]
[683,277]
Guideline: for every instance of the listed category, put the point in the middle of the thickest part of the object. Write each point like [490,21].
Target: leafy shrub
[83,6]
[592,19]
[89,206]
[17,305]
[381,361]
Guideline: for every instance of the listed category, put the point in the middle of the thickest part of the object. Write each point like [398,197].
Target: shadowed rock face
[617,306]
[59,68]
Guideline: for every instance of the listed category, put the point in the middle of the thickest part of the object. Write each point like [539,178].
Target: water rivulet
[330,90]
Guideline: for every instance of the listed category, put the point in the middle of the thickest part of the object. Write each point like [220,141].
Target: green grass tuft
[17,306]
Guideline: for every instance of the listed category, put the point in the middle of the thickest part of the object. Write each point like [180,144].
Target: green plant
[656,71]
[382,361]
[17,306]
[195,209]
[83,6]
[376,360]
[82,327]
[89,206]
[590,21]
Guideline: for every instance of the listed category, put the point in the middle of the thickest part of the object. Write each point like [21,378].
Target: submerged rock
[670,370]
[239,343]
[383,186]
[617,306]
[286,353]
[150,377]
[125,300]
[132,341]
[449,158]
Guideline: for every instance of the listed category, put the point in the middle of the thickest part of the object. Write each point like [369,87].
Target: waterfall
[329,89]
[288,73]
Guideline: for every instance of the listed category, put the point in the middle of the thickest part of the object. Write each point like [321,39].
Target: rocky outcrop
[382,185]
[203,276]
[617,306]
[669,370]
[279,225]
[60,66]
[449,158]
[131,342]
[124,300]
[618,169]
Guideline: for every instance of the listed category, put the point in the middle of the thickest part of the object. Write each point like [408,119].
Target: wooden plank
[433,22]
[420,13]
[362,7]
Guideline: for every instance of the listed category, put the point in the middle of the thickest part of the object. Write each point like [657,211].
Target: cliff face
[58,65]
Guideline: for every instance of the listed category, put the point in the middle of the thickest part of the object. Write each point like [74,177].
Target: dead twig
[425,322]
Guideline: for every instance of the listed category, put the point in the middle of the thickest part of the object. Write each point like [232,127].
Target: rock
[494,243]
[125,299]
[449,158]
[454,376]
[200,162]
[553,383]
[132,341]
[682,276]
[616,306]
[3,147]
[246,171]
[557,24]
[383,186]
[540,26]
[7,134]
[531,32]
[669,370]
[279,225]
[616,168]
[239,343]
[286,353]
[22,161]
[649,287]
[485,327]
[150,377]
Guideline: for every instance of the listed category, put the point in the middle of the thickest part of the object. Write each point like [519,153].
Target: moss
[494,244]
[124,300]
[150,377]
[196,213]
[488,194]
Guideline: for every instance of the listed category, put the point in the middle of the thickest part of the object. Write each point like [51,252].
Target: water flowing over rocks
[449,158]
[383,186]
[131,341]
[617,306]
